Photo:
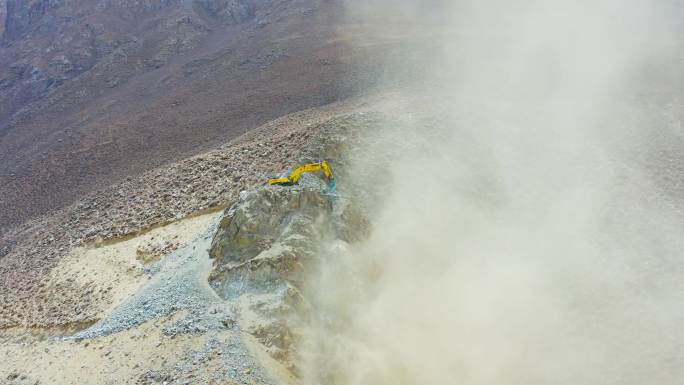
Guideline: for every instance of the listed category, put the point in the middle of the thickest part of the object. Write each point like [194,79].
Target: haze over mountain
[506,204]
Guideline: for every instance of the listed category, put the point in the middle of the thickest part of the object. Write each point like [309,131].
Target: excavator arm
[294,176]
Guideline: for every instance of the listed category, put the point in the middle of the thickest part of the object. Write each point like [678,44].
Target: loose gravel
[178,282]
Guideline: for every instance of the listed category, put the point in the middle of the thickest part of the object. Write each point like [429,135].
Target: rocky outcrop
[266,244]
[261,251]
[266,216]
[271,234]
[3,17]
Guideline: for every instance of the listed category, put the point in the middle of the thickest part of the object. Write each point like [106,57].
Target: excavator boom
[294,176]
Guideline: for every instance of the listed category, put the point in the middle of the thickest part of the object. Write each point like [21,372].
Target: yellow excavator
[294,176]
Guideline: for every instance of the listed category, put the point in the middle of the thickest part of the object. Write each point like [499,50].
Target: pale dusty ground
[114,359]
[142,355]
[146,354]
[111,272]
[117,269]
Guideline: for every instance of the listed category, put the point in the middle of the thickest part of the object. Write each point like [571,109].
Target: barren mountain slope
[94,91]
[193,186]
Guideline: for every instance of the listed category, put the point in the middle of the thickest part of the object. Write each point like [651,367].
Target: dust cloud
[530,229]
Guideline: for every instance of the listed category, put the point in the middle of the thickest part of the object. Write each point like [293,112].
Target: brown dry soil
[93,93]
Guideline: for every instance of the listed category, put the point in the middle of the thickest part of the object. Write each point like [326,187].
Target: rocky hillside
[94,91]
[123,290]
[204,183]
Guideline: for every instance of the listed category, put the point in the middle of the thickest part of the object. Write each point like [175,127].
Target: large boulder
[265,243]
[268,235]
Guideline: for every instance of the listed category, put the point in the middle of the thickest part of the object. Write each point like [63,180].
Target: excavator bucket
[332,185]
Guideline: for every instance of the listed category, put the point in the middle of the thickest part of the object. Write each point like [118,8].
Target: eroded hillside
[94,91]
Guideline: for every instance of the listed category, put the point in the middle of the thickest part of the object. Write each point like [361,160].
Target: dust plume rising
[530,221]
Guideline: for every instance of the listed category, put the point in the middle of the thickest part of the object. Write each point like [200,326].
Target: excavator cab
[294,176]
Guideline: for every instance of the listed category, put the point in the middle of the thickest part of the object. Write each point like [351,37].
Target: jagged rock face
[3,16]
[269,233]
[266,245]
[263,246]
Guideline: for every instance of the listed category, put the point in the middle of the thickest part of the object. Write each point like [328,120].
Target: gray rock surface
[266,244]
[178,282]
